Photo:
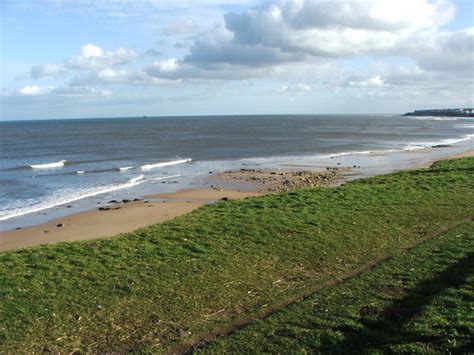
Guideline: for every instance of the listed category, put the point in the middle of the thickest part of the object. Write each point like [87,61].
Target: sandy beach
[122,217]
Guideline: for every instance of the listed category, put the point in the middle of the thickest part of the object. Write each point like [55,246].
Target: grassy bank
[421,301]
[169,284]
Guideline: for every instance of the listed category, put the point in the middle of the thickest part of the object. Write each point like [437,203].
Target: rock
[45,231]
[126,200]
[175,182]
[113,201]
[146,201]
[17,228]
[440,146]
[136,199]
[104,208]
[60,225]
[163,182]
[224,198]
[69,206]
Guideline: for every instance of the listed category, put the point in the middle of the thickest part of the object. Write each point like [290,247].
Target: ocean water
[49,165]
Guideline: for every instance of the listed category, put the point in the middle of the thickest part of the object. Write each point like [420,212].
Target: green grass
[418,302]
[171,283]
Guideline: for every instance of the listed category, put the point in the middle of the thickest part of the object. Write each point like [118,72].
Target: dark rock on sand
[60,225]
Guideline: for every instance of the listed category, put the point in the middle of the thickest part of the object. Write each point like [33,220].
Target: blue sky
[85,58]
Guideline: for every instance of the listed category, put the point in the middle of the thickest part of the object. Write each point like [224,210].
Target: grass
[418,302]
[169,284]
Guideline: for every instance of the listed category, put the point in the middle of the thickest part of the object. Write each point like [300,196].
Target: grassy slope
[418,302]
[170,283]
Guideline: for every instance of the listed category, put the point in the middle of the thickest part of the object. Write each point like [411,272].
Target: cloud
[282,32]
[452,51]
[335,28]
[93,57]
[63,91]
[33,90]
[373,81]
[294,89]
[47,70]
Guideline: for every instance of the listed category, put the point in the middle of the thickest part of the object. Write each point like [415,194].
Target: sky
[98,58]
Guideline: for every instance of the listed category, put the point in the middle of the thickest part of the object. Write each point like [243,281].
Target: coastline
[118,218]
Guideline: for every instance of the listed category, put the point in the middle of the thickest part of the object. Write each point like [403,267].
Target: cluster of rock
[273,181]
[115,202]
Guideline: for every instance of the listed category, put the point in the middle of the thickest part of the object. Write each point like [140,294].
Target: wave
[80,172]
[58,164]
[449,141]
[436,118]
[464,126]
[67,196]
[167,163]
[125,168]
[363,152]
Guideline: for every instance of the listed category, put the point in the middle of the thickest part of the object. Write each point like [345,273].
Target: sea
[50,168]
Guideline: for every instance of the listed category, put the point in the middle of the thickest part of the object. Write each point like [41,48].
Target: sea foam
[162,164]
[58,164]
[67,196]
[422,145]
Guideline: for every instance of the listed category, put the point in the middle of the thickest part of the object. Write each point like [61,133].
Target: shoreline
[117,218]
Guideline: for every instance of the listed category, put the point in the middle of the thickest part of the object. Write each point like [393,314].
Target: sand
[130,216]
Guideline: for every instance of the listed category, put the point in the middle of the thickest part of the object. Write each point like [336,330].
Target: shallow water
[46,166]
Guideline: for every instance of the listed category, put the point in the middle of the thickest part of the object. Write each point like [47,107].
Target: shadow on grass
[386,329]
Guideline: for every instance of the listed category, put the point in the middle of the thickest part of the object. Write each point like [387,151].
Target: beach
[119,217]
[173,287]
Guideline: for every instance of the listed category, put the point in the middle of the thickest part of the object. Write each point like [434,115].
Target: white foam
[58,164]
[422,145]
[167,163]
[464,126]
[67,196]
[363,152]
[436,118]
[136,179]
[167,177]
[125,168]
[80,172]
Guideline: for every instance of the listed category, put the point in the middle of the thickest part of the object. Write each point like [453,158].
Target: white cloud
[93,57]
[47,70]
[373,81]
[89,50]
[297,89]
[166,66]
[33,90]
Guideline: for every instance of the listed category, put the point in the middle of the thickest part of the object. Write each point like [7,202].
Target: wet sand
[121,218]
[127,217]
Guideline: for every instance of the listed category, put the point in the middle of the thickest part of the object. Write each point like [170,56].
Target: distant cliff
[446,112]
